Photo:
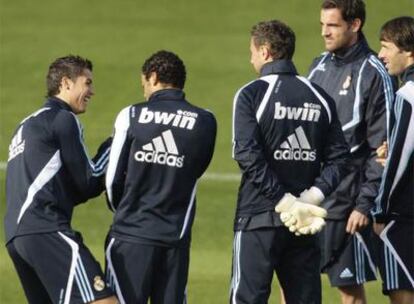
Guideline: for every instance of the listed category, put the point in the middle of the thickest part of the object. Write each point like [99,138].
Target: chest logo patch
[346,85]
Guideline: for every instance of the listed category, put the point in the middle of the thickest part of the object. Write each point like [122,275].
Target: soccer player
[394,211]
[355,78]
[288,143]
[48,174]
[161,148]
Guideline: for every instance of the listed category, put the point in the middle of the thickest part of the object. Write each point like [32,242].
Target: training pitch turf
[212,37]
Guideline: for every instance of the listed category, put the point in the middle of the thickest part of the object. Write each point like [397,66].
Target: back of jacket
[160,149]
[362,90]
[49,172]
[284,129]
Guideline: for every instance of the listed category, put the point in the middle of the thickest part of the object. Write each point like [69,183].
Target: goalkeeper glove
[299,217]
[312,196]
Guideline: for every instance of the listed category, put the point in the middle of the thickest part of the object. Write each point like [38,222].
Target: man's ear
[356,25]
[65,83]
[153,79]
[265,52]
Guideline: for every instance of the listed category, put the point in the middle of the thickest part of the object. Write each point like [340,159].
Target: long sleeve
[379,98]
[209,140]
[335,154]
[86,175]
[401,149]
[118,160]
[248,148]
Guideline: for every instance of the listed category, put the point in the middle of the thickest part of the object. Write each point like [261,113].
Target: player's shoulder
[199,113]
[63,117]
[321,57]
[407,92]
[253,88]
[375,66]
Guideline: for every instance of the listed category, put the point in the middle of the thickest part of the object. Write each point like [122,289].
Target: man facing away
[48,174]
[394,211]
[288,143]
[356,79]
[161,148]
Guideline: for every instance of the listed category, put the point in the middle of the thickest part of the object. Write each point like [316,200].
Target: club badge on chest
[346,85]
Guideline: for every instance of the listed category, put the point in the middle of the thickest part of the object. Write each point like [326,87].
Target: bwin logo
[295,147]
[309,112]
[17,145]
[162,150]
[183,119]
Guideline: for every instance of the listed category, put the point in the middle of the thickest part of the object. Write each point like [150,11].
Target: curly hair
[168,67]
[70,66]
[399,31]
[278,36]
[350,9]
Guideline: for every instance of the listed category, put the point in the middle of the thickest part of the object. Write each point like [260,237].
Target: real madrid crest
[346,85]
[98,283]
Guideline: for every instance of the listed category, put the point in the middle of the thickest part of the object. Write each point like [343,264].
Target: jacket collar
[408,74]
[356,51]
[281,66]
[167,94]
[55,102]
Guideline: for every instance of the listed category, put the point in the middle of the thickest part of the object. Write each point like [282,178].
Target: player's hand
[356,222]
[382,153]
[316,226]
[298,216]
[378,228]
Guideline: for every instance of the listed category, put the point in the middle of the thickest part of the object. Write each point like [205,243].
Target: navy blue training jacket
[49,172]
[286,138]
[363,91]
[160,149]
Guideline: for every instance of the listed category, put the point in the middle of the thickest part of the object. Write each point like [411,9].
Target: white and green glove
[299,217]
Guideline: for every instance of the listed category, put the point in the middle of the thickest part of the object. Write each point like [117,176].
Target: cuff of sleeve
[379,218]
[317,194]
[364,206]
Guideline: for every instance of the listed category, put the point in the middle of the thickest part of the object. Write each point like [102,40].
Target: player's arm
[335,155]
[379,94]
[118,160]
[208,140]
[248,148]
[401,148]
[85,175]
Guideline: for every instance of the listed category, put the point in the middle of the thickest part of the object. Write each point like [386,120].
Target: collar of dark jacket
[356,51]
[167,94]
[408,74]
[57,102]
[281,66]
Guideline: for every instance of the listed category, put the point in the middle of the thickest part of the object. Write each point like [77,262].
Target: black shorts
[351,259]
[57,268]
[138,272]
[397,256]
[258,253]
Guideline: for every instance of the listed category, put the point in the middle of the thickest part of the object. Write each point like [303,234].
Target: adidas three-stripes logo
[161,150]
[296,147]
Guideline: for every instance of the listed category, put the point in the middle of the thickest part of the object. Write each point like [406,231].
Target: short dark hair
[400,31]
[70,66]
[278,36]
[350,9]
[168,67]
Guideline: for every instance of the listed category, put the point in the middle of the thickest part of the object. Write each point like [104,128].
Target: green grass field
[212,37]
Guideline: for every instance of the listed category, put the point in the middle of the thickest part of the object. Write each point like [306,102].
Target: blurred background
[212,38]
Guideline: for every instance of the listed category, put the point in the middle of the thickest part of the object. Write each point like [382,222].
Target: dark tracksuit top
[396,196]
[362,90]
[49,172]
[286,138]
[160,149]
